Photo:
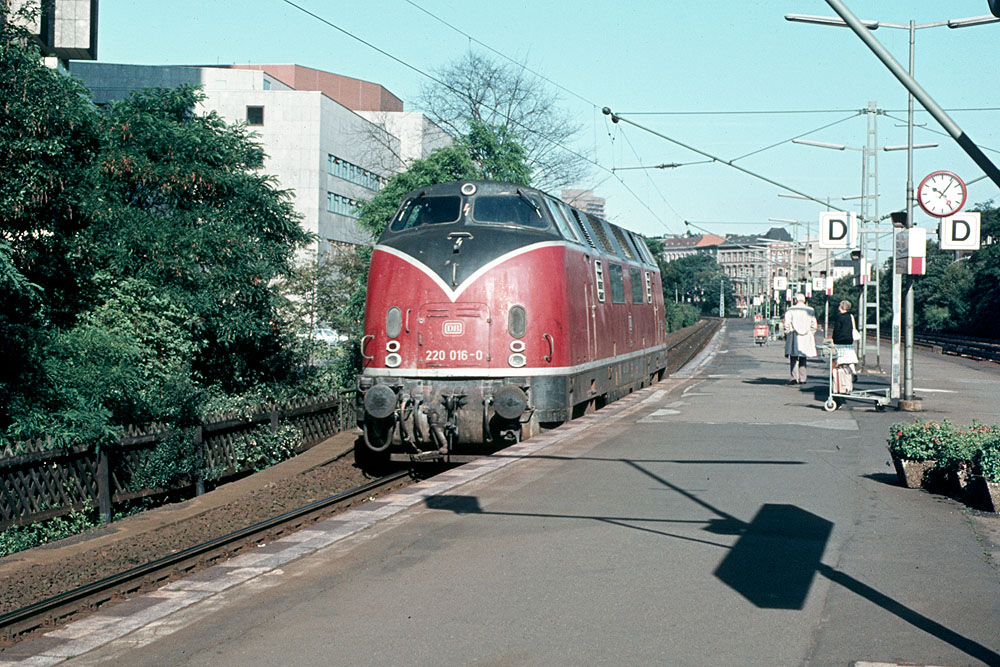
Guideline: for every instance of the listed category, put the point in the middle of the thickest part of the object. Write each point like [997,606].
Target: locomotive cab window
[617,276]
[518,209]
[426,211]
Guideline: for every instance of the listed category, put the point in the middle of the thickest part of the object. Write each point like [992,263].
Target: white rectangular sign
[960,231]
[838,230]
[780,283]
[911,251]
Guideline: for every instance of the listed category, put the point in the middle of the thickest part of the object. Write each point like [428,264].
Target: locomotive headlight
[517,360]
[517,321]
[392,360]
[393,322]
[517,346]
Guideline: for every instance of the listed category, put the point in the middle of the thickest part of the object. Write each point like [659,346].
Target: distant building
[64,29]
[684,245]
[753,261]
[331,140]
[584,200]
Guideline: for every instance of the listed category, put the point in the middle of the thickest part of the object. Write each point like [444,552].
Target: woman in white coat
[800,337]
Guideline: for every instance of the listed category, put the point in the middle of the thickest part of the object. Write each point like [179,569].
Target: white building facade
[329,156]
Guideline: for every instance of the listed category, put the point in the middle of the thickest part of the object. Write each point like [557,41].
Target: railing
[39,482]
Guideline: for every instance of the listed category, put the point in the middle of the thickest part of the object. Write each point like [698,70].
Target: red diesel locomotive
[493,308]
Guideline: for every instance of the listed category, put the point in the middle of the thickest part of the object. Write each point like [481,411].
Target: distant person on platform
[845,332]
[800,337]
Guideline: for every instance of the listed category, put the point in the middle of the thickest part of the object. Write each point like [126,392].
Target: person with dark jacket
[844,331]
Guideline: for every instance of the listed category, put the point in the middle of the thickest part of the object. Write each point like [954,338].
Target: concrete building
[64,29]
[753,261]
[331,140]
[585,200]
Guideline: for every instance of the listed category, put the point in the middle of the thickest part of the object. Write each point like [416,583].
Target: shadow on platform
[773,562]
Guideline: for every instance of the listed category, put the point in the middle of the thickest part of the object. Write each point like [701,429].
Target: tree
[984,265]
[188,212]
[48,143]
[478,90]
[697,279]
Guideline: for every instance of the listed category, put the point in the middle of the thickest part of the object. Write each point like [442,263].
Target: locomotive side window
[635,280]
[617,275]
[520,209]
[426,211]
[599,275]
[561,222]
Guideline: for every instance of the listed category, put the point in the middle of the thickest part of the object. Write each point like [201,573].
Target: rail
[50,610]
[962,346]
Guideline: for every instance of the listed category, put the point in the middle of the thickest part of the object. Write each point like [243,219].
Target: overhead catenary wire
[617,117]
[454,90]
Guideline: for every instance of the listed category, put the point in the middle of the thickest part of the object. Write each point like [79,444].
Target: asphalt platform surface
[720,517]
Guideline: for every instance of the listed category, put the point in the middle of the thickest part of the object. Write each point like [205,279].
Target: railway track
[47,613]
[971,348]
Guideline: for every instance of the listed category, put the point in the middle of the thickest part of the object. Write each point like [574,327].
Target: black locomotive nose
[380,401]
[510,401]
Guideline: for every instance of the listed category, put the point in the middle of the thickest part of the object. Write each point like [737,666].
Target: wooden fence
[39,482]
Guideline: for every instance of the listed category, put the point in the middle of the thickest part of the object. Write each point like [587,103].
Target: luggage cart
[760,333]
[880,397]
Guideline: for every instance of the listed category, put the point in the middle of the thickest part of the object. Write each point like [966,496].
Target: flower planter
[985,495]
[912,474]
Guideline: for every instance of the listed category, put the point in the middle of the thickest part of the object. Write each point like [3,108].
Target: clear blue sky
[643,56]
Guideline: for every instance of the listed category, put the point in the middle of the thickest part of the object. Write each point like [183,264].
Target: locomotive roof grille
[623,243]
[583,228]
[598,226]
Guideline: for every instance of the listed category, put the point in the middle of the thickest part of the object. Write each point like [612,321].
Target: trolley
[880,397]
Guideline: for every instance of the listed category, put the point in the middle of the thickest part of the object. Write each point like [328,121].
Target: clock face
[941,194]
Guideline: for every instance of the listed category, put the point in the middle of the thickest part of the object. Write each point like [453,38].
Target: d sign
[838,230]
[960,231]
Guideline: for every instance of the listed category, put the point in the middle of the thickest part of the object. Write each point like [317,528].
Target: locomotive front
[465,304]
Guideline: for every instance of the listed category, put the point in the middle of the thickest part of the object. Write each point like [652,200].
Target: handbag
[855,334]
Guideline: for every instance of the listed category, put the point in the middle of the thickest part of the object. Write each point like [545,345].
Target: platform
[718,517]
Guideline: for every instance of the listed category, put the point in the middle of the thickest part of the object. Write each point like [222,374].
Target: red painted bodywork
[554,282]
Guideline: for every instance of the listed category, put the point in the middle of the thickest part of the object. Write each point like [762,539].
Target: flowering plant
[920,441]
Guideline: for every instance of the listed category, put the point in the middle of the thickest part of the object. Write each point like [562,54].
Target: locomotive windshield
[422,210]
[520,209]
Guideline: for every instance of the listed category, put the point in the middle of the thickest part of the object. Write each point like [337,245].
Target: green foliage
[920,441]
[189,212]
[261,448]
[498,151]
[48,143]
[174,461]
[987,457]
[680,315]
[20,538]
[452,163]
[696,279]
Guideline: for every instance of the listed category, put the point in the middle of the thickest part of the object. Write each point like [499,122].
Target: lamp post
[970,148]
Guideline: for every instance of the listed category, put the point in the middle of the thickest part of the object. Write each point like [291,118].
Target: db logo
[453,328]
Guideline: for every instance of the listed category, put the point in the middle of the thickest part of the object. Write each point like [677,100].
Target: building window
[343,205]
[341,168]
[255,115]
